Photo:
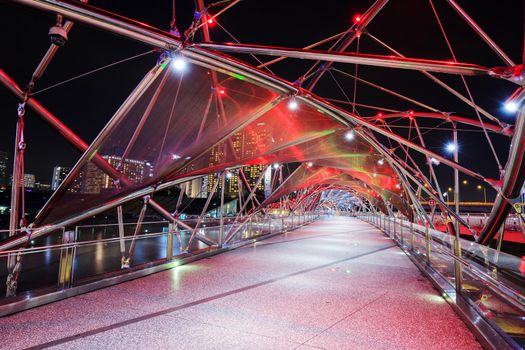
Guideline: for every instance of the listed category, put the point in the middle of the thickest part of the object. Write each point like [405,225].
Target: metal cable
[261,64]
[92,71]
[466,85]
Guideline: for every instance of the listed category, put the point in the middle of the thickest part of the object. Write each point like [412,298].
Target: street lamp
[479,187]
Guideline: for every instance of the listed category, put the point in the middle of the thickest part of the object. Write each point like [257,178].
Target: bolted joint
[21,109]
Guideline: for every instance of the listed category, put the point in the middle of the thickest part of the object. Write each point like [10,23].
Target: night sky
[86,104]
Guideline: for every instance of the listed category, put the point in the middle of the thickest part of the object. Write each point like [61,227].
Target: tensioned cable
[342,90]
[388,91]
[466,85]
[230,5]
[169,120]
[311,71]
[261,64]
[434,128]
[440,82]
[92,71]
[385,109]
[355,73]
[311,46]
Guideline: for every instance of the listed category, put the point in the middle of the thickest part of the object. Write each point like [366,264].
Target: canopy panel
[181,123]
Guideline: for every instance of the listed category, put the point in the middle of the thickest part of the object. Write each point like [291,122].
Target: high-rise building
[249,143]
[59,174]
[4,159]
[194,188]
[42,187]
[95,180]
[29,180]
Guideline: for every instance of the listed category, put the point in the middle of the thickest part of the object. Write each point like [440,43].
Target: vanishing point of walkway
[335,284]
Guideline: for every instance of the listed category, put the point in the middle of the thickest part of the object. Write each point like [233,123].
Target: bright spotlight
[276,166]
[381,161]
[349,135]
[511,107]
[309,164]
[229,175]
[179,63]
[293,104]
[451,147]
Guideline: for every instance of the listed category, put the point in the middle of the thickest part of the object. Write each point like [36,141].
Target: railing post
[169,244]
[457,265]
[395,233]
[65,270]
[401,230]
[411,235]
[427,241]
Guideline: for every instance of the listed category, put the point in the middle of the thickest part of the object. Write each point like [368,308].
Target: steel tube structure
[112,24]
[353,33]
[512,181]
[481,33]
[354,58]
[503,129]
[155,37]
[152,36]
[456,178]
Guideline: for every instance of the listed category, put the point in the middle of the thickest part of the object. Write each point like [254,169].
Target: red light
[357,19]
[221,91]
[210,21]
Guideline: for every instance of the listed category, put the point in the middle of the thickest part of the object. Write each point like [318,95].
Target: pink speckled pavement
[335,284]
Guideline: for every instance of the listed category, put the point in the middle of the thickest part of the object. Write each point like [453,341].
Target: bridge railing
[489,281]
[89,256]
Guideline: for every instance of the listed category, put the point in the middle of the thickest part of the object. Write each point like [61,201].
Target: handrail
[447,260]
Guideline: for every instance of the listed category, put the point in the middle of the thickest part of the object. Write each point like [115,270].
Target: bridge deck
[335,284]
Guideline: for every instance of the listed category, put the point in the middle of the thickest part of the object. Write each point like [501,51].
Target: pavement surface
[338,283]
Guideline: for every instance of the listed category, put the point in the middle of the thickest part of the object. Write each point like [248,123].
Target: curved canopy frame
[272,94]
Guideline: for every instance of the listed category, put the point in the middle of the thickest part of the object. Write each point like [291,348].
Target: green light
[237,76]
[92,155]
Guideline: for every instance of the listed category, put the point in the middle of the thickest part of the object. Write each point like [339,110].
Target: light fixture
[179,63]
[309,164]
[349,135]
[276,166]
[229,175]
[510,106]
[434,161]
[451,147]
[381,161]
[293,104]
[175,156]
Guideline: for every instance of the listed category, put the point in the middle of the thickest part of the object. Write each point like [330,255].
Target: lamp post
[452,147]
[484,192]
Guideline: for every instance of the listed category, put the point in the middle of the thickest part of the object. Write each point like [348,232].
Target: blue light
[511,107]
